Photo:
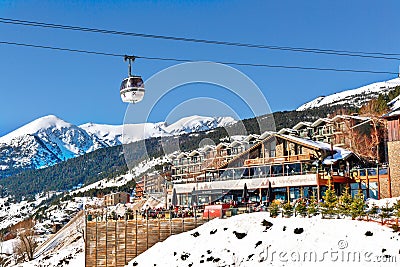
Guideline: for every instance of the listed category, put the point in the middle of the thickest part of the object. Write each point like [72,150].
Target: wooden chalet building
[287,166]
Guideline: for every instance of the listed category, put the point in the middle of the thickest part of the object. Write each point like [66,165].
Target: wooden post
[115,242]
[96,256]
[147,229]
[106,240]
[195,218]
[125,239]
[367,182]
[170,225]
[389,182]
[288,193]
[136,239]
[263,152]
[86,241]
[159,230]
[183,225]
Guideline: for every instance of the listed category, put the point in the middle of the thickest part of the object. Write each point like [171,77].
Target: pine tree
[345,201]
[301,207]
[373,211]
[328,207]
[386,212]
[312,208]
[273,209]
[287,209]
[357,208]
[396,208]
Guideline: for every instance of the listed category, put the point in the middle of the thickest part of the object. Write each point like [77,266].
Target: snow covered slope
[44,142]
[355,97]
[197,124]
[243,241]
[50,140]
[112,135]
[122,134]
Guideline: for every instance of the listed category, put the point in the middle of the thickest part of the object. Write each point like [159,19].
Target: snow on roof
[307,142]
[300,125]
[182,155]
[341,154]
[361,118]
[251,137]
[266,134]
[236,143]
[286,130]
[222,144]
[206,148]
[319,121]
[194,153]
[392,114]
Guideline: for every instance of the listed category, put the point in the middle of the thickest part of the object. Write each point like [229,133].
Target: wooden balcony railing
[292,158]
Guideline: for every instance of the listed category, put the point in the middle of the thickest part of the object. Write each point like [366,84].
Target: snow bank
[243,241]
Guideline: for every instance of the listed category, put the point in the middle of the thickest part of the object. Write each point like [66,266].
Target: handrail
[284,159]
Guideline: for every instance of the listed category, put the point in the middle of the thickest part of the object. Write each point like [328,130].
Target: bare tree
[365,137]
[26,245]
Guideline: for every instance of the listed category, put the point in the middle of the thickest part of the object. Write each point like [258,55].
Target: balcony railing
[292,158]
[370,173]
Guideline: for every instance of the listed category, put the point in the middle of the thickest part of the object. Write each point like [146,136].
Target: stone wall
[394,165]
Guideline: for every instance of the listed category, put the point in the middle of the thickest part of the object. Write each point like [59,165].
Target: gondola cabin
[132,89]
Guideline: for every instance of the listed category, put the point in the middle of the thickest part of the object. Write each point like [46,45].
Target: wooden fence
[116,242]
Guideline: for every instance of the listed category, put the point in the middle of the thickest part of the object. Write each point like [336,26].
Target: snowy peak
[197,124]
[42,143]
[49,140]
[112,135]
[39,125]
[354,97]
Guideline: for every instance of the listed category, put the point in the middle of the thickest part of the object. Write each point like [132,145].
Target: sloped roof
[306,142]
[345,117]
[301,124]
[286,130]
[319,121]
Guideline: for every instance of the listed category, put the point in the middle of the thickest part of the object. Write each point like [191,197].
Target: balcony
[292,158]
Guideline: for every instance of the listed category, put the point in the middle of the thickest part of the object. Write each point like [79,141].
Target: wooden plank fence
[114,243]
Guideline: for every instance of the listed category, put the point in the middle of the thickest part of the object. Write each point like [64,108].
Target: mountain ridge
[50,140]
[353,97]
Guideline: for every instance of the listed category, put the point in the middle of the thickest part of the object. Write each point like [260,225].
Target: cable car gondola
[132,88]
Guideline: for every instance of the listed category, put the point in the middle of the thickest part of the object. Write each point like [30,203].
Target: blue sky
[85,88]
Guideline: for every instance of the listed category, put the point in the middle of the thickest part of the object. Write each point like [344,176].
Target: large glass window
[292,169]
[383,171]
[277,170]
[294,193]
[373,190]
[279,194]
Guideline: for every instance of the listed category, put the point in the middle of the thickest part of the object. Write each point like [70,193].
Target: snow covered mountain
[355,97]
[111,135]
[44,142]
[50,140]
[197,124]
